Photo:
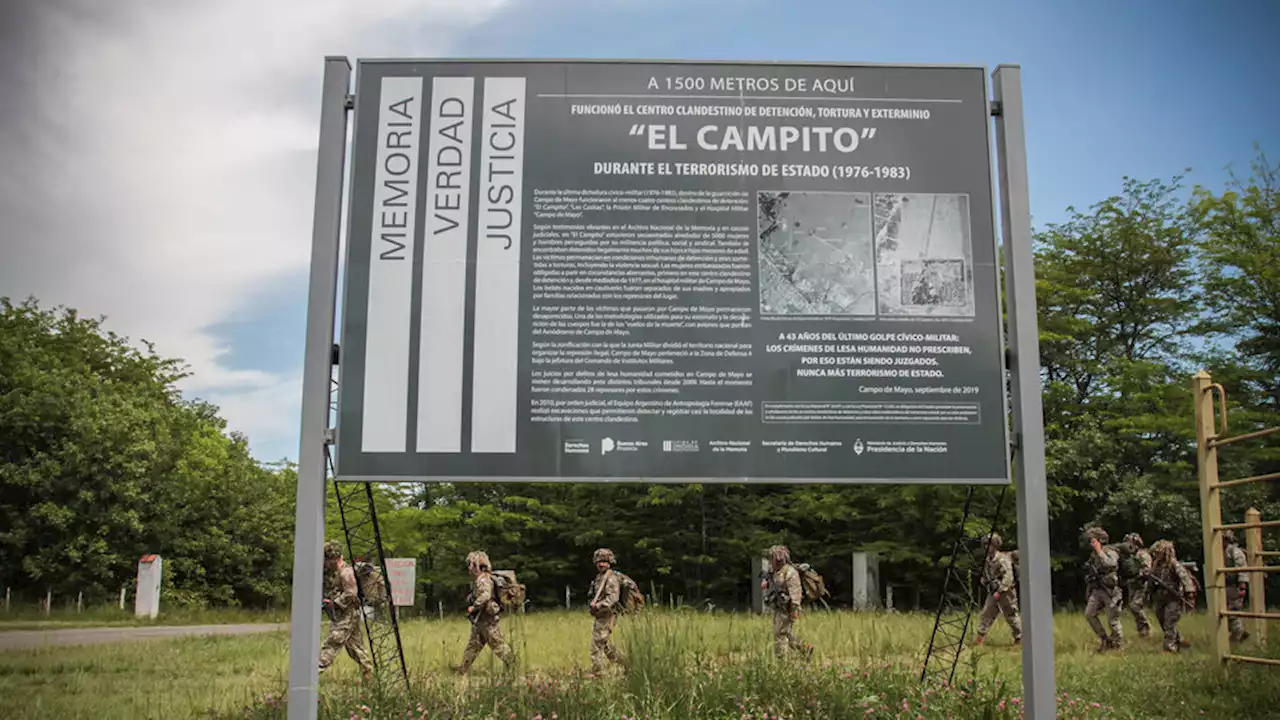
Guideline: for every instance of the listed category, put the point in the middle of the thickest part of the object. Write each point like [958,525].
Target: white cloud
[172,169]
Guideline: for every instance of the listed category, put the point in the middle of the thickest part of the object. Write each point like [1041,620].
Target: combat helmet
[603,555]
[332,550]
[1161,549]
[1095,532]
[479,560]
[1134,538]
[1229,536]
[779,554]
[994,541]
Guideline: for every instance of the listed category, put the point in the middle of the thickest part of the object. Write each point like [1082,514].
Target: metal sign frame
[1022,367]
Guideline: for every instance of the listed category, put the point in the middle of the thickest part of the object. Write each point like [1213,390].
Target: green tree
[101,461]
[1118,308]
[1240,262]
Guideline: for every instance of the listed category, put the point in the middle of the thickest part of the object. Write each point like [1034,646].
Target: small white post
[79,601]
[888,598]
[440,608]
[567,606]
[6,599]
[48,602]
[122,591]
[860,581]
[147,595]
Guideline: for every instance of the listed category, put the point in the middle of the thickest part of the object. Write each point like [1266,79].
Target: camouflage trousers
[1137,607]
[784,637]
[1168,611]
[1105,599]
[1235,601]
[345,634]
[602,644]
[1007,606]
[486,631]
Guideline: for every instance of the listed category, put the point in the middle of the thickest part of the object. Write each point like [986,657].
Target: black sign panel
[671,271]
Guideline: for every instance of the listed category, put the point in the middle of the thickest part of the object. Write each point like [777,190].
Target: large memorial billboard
[668,271]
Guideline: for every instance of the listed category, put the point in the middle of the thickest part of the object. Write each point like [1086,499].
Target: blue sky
[1137,88]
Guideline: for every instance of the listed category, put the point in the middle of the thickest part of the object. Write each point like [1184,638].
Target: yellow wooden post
[1257,581]
[1210,512]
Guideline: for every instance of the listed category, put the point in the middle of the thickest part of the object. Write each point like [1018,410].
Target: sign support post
[1028,411]
[304,630]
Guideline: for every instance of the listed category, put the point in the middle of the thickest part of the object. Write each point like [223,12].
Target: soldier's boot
[807,651]
[1017,641]
[1104,644]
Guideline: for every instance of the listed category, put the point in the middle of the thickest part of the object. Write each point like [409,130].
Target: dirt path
[17,639]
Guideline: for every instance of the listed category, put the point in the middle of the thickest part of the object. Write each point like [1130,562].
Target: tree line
[102,459]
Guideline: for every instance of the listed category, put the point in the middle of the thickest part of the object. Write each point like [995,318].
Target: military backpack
[813,589]
[630,599]
[508,591]
[372,585]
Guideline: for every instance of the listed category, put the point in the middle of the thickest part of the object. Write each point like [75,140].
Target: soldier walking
[606,592]
[1103,588]
[342,602]
[1237,584]
[997,577]
[784,594]
[485,615]
[1134,565]
[1174,590]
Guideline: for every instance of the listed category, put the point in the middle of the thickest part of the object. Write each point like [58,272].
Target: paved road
[14,639]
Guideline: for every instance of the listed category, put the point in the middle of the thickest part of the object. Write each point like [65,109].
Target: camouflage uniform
[1137,561]
[1173,589]
[784,594]
[485,629]
[998,578]
[606,590]
[1103,590]
[340,595]
[1237,584]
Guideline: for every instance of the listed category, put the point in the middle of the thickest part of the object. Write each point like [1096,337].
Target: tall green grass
[698,665]
[684,664]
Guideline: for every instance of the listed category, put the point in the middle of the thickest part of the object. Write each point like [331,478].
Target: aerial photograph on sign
[815,254]
[924,254]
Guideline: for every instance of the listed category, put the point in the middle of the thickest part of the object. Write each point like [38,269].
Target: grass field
[685,665]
